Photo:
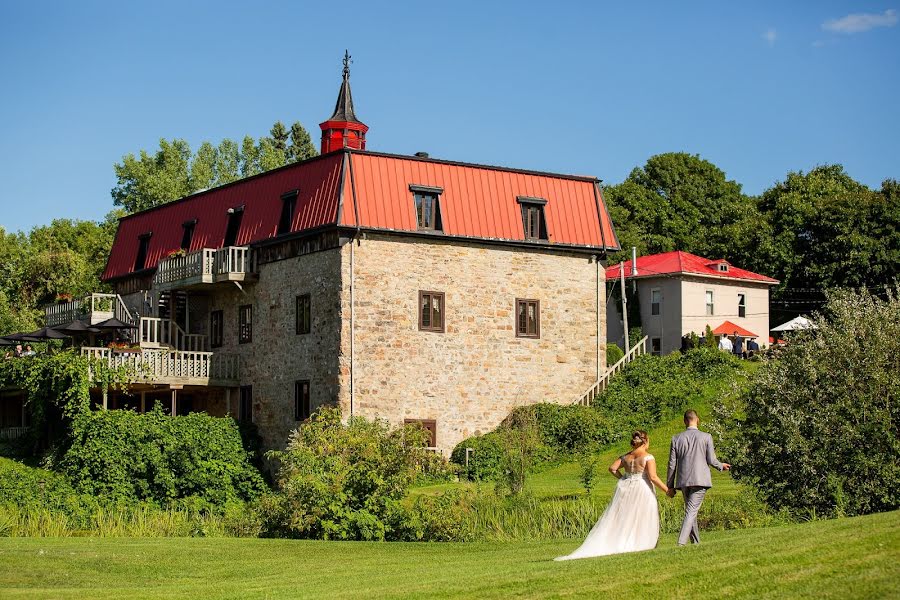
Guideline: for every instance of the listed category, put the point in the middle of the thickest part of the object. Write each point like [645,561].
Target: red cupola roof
[343,129]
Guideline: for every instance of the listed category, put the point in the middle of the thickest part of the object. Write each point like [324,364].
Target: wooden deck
[206,266]
[174,367]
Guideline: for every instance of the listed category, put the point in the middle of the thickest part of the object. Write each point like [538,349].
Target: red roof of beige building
[369,190]
[678,262]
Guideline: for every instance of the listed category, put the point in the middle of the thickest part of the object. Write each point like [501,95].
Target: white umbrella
[795,324]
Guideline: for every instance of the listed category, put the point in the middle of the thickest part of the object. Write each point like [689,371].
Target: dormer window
[187,235]
[235,216]
[723,267]
[288,204]
[140,261]
[428,209]
[533,221]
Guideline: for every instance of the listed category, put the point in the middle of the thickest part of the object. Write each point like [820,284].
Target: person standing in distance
[690,456]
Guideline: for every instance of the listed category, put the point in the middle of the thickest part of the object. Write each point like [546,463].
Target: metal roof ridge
[456,163]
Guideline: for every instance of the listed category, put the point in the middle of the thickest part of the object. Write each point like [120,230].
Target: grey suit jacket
[691,451]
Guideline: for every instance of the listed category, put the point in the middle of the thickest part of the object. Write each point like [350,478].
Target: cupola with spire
[343,129]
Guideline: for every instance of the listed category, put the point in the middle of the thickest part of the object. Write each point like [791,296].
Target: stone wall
[277,356]
[468,378]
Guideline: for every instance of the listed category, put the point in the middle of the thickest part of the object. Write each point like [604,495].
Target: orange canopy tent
[729,328]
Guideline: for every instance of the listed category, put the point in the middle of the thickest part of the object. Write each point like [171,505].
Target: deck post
[174,402]
[105,398]
[143,402]
[228,402]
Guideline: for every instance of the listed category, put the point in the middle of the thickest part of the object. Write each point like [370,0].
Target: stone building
[401,287]
[681,293]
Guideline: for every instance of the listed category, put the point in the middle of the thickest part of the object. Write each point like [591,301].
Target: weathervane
[347,62]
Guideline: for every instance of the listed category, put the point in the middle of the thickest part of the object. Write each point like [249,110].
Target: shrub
[32,489]
[484,460]
[817,431]
[124,456]
[341,481]
[613,354]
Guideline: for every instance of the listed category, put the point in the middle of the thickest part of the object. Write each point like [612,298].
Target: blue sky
[758,88]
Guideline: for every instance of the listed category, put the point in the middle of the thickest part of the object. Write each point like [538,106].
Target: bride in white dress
[631,521]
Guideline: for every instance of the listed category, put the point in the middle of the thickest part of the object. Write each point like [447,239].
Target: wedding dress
[631,521]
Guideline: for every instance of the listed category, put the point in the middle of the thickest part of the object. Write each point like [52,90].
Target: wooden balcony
[206,266]
[165,333]
[173,367]
[90,309]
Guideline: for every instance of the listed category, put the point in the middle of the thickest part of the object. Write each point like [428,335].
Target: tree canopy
[174,171]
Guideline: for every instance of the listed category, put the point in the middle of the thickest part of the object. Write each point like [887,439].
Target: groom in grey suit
[691,451]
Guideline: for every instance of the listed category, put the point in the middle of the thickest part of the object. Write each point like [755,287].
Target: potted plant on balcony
[63,297]
[124,347]
[176,253]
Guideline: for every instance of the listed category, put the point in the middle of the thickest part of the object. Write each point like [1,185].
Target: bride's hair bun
[638,438]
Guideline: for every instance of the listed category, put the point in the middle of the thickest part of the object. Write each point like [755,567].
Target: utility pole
[624,307]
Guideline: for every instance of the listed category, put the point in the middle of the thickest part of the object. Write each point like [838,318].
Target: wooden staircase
[637,350]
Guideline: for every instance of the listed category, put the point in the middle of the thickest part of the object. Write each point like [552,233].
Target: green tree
[301,146]
[676,201]
[149,180]
[270,156]
[249,157]
[228,163]
[203,167]
[279,137]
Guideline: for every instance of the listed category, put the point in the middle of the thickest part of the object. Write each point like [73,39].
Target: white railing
[95,307]
[13,433]
[207,265]
[170,364]
[637,350]
[234,259]
[157,332]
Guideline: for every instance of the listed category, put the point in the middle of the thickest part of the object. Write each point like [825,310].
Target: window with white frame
[742,304]
[655,301]
[710,308]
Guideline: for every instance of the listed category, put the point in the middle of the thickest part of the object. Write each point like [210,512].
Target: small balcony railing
[13,433]
[92,309]
[156,332]
[207,265]
[172,365]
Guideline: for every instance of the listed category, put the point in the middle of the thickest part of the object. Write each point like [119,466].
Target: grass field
[844,558]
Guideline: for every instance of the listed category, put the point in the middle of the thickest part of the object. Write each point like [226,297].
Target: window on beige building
[431,311]
[742,304]
[302,408]
[216,328]
[710,308]
[528,318]
[655,346]
[533,220]
[428,209]
[245,408]
[655,301]
[429,425]
[304,314]
[245,324]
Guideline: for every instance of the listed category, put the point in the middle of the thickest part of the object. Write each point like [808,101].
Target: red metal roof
[729,328]
[679,262]
[477,201]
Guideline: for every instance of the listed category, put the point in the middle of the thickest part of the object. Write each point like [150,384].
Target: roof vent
[422,154]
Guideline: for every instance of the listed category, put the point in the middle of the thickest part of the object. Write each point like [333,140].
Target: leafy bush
[124,456]
[341,481]
[613,354]
[32,489]
[818,431]
[647,391]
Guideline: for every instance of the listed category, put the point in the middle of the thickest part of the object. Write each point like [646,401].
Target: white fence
[206,265]
[93,308]
[171,364]
[166,332]
[637,350]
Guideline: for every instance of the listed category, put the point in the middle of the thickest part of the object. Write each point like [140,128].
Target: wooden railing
[13,433]
[94,307]
[171,364]
[156,332]
[637,350]
[206,265]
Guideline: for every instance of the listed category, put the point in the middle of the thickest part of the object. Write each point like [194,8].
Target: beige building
[681,293]
[398,287]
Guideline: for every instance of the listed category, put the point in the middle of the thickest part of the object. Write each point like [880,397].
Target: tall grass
[137,521]
[493,518]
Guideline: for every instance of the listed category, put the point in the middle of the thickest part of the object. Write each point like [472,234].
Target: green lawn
[844,558]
